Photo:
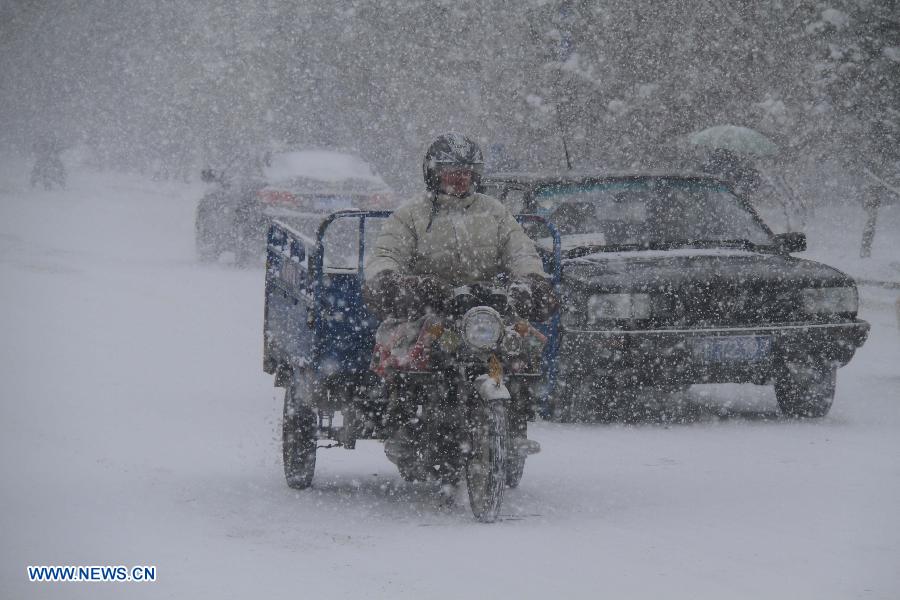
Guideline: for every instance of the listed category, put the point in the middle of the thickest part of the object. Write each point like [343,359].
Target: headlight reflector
[603,307]
[830,300]
[482,327]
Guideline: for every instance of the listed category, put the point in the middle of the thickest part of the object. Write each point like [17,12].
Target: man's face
[455,182]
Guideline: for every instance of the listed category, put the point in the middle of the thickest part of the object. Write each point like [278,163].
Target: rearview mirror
[793,241]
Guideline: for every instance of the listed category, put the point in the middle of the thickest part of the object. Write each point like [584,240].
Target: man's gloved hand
[391,295]
[533,298]
[431,292]
[520,299]
[385,294]
[544,298]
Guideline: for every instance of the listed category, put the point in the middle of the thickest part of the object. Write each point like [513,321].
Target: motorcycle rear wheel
[486,465]
[298,435]
[515,467]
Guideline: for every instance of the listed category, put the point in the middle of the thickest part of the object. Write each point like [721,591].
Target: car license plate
[738,348]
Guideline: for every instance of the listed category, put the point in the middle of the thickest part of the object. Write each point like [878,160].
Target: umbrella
[741,140]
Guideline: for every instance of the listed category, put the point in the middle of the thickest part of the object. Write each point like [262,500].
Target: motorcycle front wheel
[517,429]
[486,465]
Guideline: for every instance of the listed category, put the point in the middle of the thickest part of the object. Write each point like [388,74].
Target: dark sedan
[671,279]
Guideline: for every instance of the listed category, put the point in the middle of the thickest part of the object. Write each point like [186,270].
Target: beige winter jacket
[460,241]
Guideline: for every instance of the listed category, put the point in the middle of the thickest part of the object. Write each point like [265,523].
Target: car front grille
[727,305]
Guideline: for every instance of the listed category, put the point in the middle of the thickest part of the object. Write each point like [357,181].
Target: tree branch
[885,184]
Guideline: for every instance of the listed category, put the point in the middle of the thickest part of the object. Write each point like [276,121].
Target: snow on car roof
[321,165]
[575,240]
[675,252]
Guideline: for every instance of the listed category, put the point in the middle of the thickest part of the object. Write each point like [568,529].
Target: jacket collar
[452,202]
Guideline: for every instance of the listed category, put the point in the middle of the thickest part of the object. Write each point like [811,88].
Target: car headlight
[482,327]
[830,300]
[603,307]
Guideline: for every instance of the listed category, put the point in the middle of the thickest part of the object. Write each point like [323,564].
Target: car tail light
[276,197]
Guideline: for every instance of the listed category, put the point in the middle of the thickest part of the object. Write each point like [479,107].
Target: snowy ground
[137,427]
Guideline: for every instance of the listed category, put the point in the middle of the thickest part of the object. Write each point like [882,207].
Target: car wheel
[249,248]
[299,434]
[804,390]
[572,403]
[620,404]
[561,408]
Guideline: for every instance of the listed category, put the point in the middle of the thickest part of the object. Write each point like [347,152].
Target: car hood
[667,269]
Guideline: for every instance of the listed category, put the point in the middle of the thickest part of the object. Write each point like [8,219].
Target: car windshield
[649,213]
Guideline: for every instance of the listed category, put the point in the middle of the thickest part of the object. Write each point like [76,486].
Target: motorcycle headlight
[482,327]
[603,307]
[830,300]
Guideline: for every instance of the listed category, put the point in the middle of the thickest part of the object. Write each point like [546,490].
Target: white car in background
[298,187]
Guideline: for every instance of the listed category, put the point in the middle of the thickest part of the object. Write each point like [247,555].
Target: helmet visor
[474,168]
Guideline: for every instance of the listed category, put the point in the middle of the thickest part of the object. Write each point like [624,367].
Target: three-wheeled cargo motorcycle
[455,400]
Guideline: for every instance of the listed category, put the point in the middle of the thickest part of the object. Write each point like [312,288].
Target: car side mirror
[792,241]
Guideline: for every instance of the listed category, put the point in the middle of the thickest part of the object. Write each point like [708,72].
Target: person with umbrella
[732,152]
[730,149]
[741,174]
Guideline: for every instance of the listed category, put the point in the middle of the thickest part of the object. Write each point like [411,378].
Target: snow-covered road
[137,427]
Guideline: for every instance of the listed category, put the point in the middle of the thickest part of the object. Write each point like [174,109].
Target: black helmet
[455,151]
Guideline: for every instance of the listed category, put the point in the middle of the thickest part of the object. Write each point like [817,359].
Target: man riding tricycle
[435,341]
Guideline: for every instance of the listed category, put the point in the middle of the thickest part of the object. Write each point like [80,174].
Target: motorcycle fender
[490,389]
